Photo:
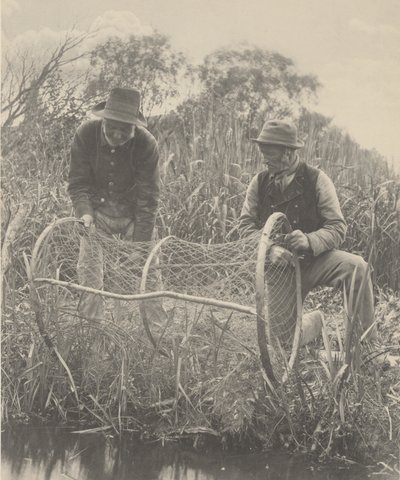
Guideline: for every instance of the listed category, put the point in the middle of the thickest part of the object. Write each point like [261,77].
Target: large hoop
[274,232]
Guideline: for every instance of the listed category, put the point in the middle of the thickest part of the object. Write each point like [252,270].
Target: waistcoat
[299,203]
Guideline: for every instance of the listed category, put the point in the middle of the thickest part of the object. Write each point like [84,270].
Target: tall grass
[205,175]
[211,382]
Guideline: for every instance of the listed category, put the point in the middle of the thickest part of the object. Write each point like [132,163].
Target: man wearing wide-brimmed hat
[113,182]
[308,198]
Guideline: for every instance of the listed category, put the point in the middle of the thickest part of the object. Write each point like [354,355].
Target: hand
[298,241]
[88,222]
[280,256]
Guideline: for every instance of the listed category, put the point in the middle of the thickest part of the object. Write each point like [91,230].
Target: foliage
[148,63]
[207,164]
[251,81]
[208,384]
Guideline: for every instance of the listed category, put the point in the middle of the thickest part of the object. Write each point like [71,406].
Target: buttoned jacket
[117,181]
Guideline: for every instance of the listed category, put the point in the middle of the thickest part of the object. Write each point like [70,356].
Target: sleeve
[81,176]
[147,192]
[248,220]
[333,231]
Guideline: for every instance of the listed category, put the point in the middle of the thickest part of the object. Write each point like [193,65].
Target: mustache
[116,142]
[117,139]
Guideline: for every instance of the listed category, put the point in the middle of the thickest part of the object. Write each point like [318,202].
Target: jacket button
[110,184]
[102,200]
[296,206]
[113,163]
[113,150]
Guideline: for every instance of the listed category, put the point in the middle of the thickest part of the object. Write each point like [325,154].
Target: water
[57,454]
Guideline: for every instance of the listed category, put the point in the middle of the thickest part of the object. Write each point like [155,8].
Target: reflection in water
[53,454]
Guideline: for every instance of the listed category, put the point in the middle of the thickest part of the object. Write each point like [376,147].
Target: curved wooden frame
[261,304]
[43,238]
[142,289]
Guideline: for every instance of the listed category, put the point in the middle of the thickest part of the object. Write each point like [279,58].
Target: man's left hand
[298,241]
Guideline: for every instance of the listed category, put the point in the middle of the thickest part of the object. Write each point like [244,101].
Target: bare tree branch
[22,85]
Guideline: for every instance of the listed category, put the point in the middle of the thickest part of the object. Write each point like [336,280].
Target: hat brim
[100,111]
[282,144]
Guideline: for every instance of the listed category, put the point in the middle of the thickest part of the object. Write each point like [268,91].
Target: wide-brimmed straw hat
[123,105]
[278,132]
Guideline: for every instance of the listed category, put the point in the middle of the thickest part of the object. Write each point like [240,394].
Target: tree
[146,62]
[255,82]
[35,97]
[239,89]
[24,76]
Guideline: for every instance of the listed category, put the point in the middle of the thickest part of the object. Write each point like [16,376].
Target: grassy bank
[107,376]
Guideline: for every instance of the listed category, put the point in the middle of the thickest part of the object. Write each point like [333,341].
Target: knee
[357,266]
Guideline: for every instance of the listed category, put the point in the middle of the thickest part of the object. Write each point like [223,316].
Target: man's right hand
[280,256]
[88,222]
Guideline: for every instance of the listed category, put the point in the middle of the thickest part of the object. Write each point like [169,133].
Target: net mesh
[280,288]
[219,271]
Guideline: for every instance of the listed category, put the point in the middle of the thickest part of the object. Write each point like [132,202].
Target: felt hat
[123,105]
[278,132]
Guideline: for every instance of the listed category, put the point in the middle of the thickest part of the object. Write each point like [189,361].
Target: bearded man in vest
[308,198]
[114,185]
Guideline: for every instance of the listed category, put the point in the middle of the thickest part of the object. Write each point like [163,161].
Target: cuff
[315,244]
[83,208]
[142,234]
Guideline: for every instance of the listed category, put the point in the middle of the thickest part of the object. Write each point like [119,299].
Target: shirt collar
[290,171]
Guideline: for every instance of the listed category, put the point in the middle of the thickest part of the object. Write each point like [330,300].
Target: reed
[205,176]
[211,382]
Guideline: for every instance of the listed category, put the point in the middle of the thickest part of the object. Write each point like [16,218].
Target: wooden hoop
[261,303]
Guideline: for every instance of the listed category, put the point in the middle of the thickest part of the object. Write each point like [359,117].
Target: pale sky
[352,46]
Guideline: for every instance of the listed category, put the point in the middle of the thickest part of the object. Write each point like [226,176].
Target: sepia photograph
[200,239]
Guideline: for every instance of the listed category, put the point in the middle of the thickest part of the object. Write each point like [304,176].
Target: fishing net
[221,272]
[237,275]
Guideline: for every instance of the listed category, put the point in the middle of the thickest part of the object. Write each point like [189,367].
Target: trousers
[335,268]
[90,270]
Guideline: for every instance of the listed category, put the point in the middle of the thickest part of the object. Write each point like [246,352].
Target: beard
[117,140]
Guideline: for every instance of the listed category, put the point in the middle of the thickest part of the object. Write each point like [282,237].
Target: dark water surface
[53,454]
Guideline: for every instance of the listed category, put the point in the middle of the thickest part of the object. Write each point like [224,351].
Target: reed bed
[109,378]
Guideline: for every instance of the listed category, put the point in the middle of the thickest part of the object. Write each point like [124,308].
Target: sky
[352,46]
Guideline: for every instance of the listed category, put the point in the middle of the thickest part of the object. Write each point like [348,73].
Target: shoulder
[324,179]
[145,148]
[324,186]
[144,138]
[257,180]
[315,174]
[89,127]
[312,173]
[261,177]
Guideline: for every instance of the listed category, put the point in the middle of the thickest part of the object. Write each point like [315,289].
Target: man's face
[117,133]
[278,158]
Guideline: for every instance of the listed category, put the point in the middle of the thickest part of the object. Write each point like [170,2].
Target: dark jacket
[120,182]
